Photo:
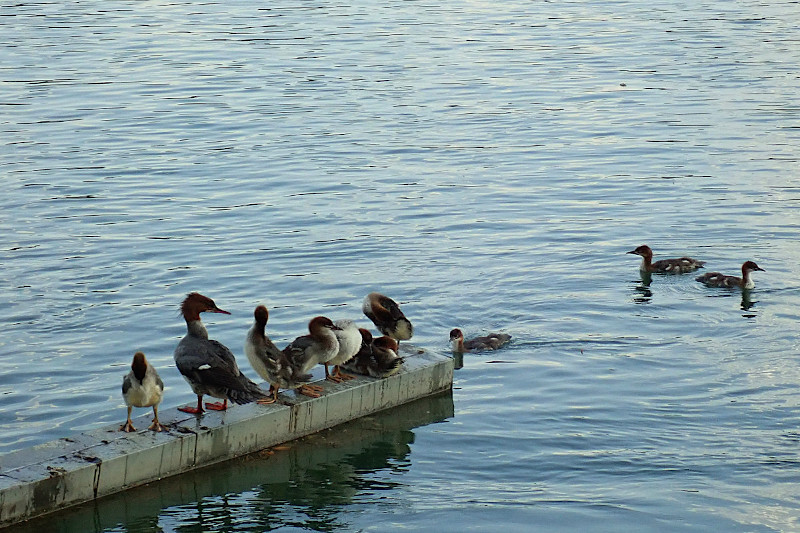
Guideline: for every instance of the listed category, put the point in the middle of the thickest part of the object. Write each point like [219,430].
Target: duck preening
[318,347]
[207,365]
[273,365]
[665,266]
[142,387]
[716,279]
[489,342]
[377,357]
[349,344]
[387,316]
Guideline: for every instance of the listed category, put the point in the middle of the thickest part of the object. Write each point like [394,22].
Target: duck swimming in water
[665,266]
[142,387]
[490,342]
[716,279]
[318,347]
[268,361]
[207,365]
[387,316]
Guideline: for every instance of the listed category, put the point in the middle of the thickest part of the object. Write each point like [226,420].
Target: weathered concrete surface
[97,463]
[350,453]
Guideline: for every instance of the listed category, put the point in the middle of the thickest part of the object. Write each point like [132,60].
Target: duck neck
[747,281]
[196,328]
[326,338]
[458,345]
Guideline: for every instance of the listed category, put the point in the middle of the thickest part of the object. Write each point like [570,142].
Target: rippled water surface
[487,165]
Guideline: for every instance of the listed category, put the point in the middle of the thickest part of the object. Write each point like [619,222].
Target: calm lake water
[487,165]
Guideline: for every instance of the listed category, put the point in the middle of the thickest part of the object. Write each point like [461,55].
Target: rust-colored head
[261,315]
[195,303]
[139,365]
[642,250]
[750,266]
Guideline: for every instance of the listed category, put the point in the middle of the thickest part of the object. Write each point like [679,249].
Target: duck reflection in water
[642,293]
[747,302]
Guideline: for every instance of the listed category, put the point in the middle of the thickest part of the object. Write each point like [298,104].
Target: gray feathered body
[681,265]
[210,367]
[271,363]
[491,341]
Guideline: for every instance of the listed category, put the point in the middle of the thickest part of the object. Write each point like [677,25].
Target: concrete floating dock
[97,463]
[351,453]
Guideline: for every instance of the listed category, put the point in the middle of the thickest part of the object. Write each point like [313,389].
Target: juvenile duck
[665,266]
[318,347]
[349,345]
[715,279]
[377,357]
[142,387]
[387,316]
[268,361]
[492,341]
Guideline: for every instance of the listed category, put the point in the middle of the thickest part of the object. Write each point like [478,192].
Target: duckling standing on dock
[142,387]
[207,365]
[387,316]
[318,347]
[492,341]
[665,266]
[268,361]
[716,279]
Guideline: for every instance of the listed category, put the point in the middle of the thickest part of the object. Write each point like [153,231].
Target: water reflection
[304,484]
[642,292]
[747,303]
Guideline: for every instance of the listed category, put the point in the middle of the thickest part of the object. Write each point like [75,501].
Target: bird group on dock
[210,367]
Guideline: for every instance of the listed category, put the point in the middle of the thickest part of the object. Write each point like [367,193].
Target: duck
[360,361]
[665,266]
[716,279]
[378,360]
[268,361]
[207,365]
[387,316]
[384,354]
[491,341]
[318,347]
[349,338]
[142,387]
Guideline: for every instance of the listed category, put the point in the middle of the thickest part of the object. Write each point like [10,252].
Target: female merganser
[665,266]
[208,365]
[377,359]
[492,341]
[349,344]
[387,316]
[268,361]
[715,279]
[142,387]
[318,347]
